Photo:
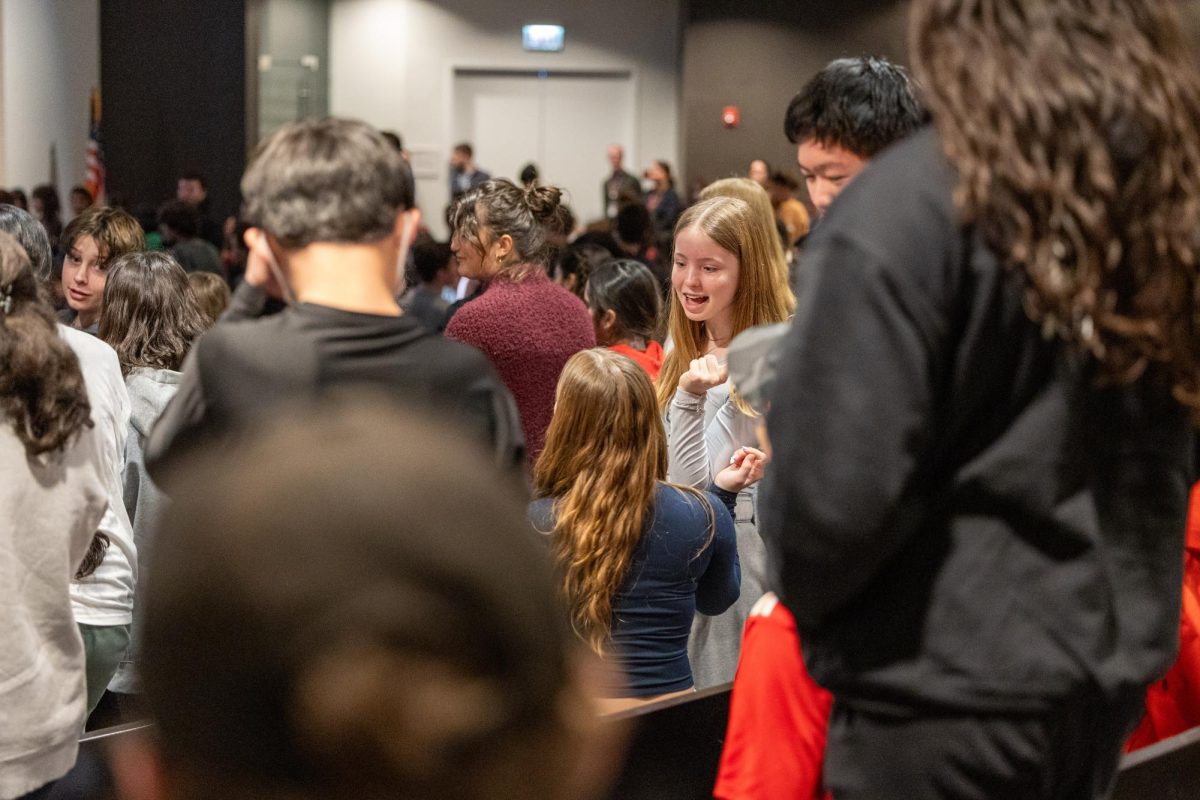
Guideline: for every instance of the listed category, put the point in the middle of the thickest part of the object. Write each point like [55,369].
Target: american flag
[94,160]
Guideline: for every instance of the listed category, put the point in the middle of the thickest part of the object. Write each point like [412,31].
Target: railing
[675,748]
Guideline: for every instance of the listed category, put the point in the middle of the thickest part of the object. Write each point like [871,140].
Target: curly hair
[42,393]
[500,207]
[1073,127]
[606,453]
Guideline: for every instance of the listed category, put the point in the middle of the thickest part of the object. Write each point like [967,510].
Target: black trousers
[1068,753]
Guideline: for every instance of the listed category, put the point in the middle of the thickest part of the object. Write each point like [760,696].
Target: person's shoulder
[97,360]
[87,346]
[450,355]
[267,343]
[898,213]
[682,500]
[910,180]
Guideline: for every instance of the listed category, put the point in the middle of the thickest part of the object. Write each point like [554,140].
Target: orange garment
[778,716]
[1173,703]
[650,359]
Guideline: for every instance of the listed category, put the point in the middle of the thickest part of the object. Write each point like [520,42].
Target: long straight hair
[763,295]
[1074,127]
[606,452]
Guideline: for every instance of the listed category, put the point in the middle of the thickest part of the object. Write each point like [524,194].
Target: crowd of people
[344,531]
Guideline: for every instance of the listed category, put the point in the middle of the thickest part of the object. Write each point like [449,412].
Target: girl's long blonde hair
[760,205]
[763,295]
[606,452]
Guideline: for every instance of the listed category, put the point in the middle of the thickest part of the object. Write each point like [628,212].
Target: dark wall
[756,54]
[173,80]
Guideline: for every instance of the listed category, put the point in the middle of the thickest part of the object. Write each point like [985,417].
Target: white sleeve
[687,452]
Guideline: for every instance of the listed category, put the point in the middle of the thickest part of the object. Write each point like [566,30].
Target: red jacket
[778,716]
[1173,703]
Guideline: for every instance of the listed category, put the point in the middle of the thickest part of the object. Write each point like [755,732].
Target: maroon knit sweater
[528,329]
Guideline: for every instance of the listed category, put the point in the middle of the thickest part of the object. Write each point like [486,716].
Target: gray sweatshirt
[149,392]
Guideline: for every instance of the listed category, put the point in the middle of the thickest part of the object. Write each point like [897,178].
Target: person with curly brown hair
[982,439]
[53,493]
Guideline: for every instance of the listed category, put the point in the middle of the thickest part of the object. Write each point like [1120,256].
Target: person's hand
[258,268]
[745,469]
[703,374]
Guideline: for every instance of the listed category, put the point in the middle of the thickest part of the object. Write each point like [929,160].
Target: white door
[562,122]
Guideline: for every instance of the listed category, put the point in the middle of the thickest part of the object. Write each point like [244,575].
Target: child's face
[827,170]
[704,278]
[83,279]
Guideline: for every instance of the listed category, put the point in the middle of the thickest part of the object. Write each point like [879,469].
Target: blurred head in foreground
[377,621]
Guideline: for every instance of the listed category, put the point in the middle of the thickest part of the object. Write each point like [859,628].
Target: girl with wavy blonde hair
[637,556]
[726,277]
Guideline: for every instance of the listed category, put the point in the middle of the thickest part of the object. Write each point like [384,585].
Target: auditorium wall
[392,63]
[49,63]
[756,55]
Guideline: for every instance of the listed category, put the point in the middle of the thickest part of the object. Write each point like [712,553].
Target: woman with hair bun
[53,496]
[523,322]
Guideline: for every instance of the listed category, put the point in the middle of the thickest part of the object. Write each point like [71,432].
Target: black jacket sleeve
[850,418]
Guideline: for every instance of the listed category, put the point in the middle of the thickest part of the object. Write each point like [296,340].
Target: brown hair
[115,232]
[500,207]
[326,180]
[42,393]
[606,452]
[424,654]
[150,315]
[212,295]
[763,295]
[1073,127]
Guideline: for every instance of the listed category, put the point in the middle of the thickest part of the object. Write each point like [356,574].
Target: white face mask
[265,252]
[407,233]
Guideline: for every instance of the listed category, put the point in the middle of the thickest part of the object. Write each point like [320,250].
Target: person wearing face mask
[333,217]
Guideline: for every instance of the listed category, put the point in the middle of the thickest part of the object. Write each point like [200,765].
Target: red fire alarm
[731,116]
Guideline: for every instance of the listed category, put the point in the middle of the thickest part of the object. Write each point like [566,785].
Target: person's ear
[137,768]
[504,246]
[608,322]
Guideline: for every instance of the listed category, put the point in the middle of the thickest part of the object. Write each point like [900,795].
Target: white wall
[49,63]
[392,64]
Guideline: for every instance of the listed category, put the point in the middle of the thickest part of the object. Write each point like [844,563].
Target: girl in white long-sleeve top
[724,280]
